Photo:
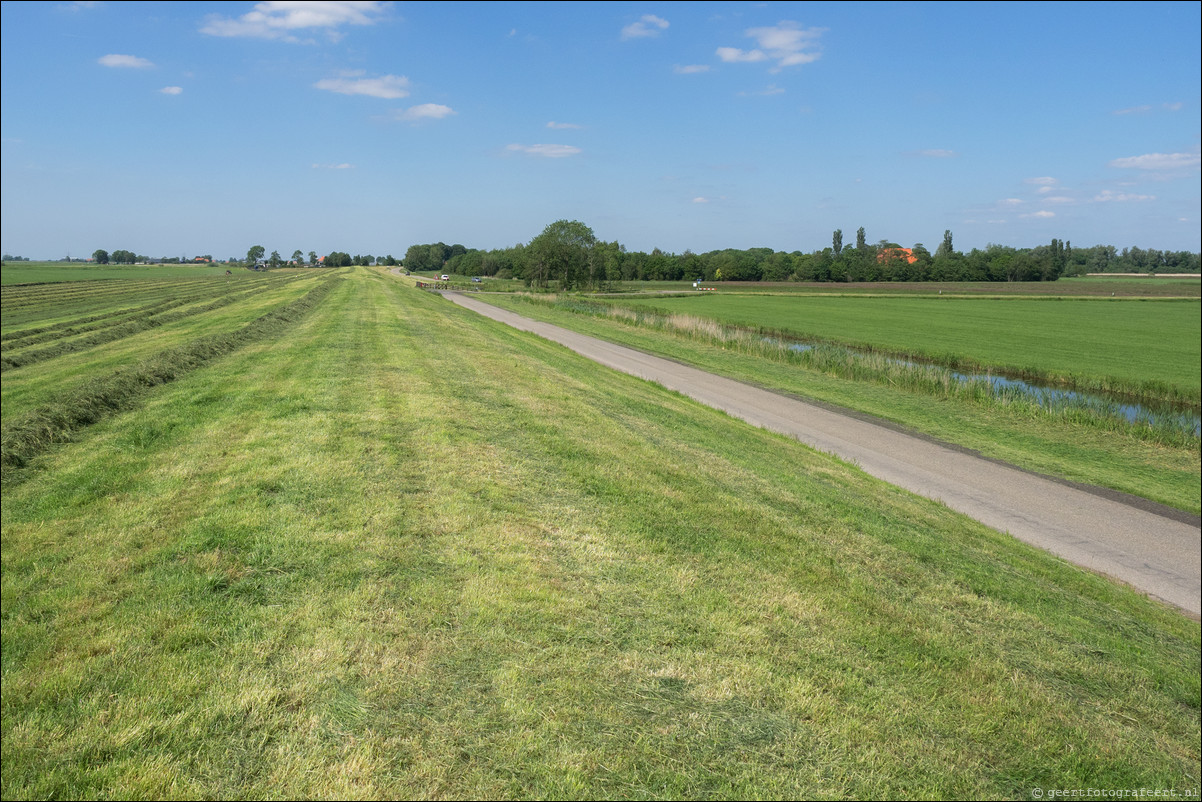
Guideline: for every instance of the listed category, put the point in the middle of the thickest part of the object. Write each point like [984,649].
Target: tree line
[570,255]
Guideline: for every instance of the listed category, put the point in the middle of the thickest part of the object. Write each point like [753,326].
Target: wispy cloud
[1158,161]
[1042,214]
[343,166]
[171,90]
[690,69]
[389,87]
[1145,109]
[1042,181]
[425,111]
[785,43]
[648,25]
[280,19]
[1110,196]
[564,126]
[1010,202]
[546,151]
[132,62]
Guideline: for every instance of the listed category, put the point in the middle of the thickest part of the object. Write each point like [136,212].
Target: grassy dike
[1018,434]
[404,551]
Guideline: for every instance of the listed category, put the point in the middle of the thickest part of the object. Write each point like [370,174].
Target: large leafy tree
[563,253]
[101,256]
[255,254]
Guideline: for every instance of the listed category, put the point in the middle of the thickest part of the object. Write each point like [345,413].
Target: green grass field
[393,549]
[1144,345]
[42,272]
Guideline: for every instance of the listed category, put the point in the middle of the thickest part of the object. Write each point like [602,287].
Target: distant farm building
[889,254]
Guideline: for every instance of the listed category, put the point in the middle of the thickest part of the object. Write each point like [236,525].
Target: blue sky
[191,128]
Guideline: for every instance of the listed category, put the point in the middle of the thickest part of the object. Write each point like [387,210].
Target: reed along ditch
[1009,388]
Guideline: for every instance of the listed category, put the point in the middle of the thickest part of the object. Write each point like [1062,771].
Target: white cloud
[278,18]
[701,200]
[564,126]
[1159,161]
[1132,110]
[171,90]
[1042,181]
[389,87]
[546,151]
[1107,195]
[343,166]
[1174,106]
[114,60]
[1058,199]
[1042,214]
[1010,202]
[785,43]
[648,25]
[690,69]
[734,54]
[425,111]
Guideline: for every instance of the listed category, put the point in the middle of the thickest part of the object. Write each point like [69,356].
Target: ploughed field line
[1155,553]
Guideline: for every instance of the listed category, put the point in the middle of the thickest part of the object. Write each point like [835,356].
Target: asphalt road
[1155,551]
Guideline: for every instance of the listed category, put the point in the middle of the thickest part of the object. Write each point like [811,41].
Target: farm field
[40,272]
[1151,347]
[336,561]
[1119,286]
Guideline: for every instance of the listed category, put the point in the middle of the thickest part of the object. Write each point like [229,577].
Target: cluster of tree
[568,254]
[255,256]
[118,257]
[10,258]
[1107,259]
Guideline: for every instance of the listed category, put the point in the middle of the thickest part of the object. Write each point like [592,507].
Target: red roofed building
[885,254]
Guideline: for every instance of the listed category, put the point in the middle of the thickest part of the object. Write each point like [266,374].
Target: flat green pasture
[43,272]
[1092,286]
[1136,342]
[342,562]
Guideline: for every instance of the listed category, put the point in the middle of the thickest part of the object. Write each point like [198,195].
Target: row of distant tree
[568,253]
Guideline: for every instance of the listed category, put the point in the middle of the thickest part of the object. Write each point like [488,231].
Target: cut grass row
[57,381]
[1022,434]
[126,326]
[31,433]
[345,563]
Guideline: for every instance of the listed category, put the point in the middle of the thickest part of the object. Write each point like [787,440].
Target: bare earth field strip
[1153,553]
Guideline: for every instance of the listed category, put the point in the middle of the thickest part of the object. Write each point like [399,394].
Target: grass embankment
[408,552]
[1068,446]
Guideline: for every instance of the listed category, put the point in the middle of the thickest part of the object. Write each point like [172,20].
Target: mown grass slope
[404,551]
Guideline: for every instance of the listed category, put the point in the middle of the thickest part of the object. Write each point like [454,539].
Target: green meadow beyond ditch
[341,538]
[1143,346]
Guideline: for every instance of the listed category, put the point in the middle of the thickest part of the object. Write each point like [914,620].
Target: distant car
[475,281]
[444,277]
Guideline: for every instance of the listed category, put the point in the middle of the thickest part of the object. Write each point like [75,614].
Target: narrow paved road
[1157,554]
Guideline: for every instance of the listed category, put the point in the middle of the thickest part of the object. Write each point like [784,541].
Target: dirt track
[1154,550]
